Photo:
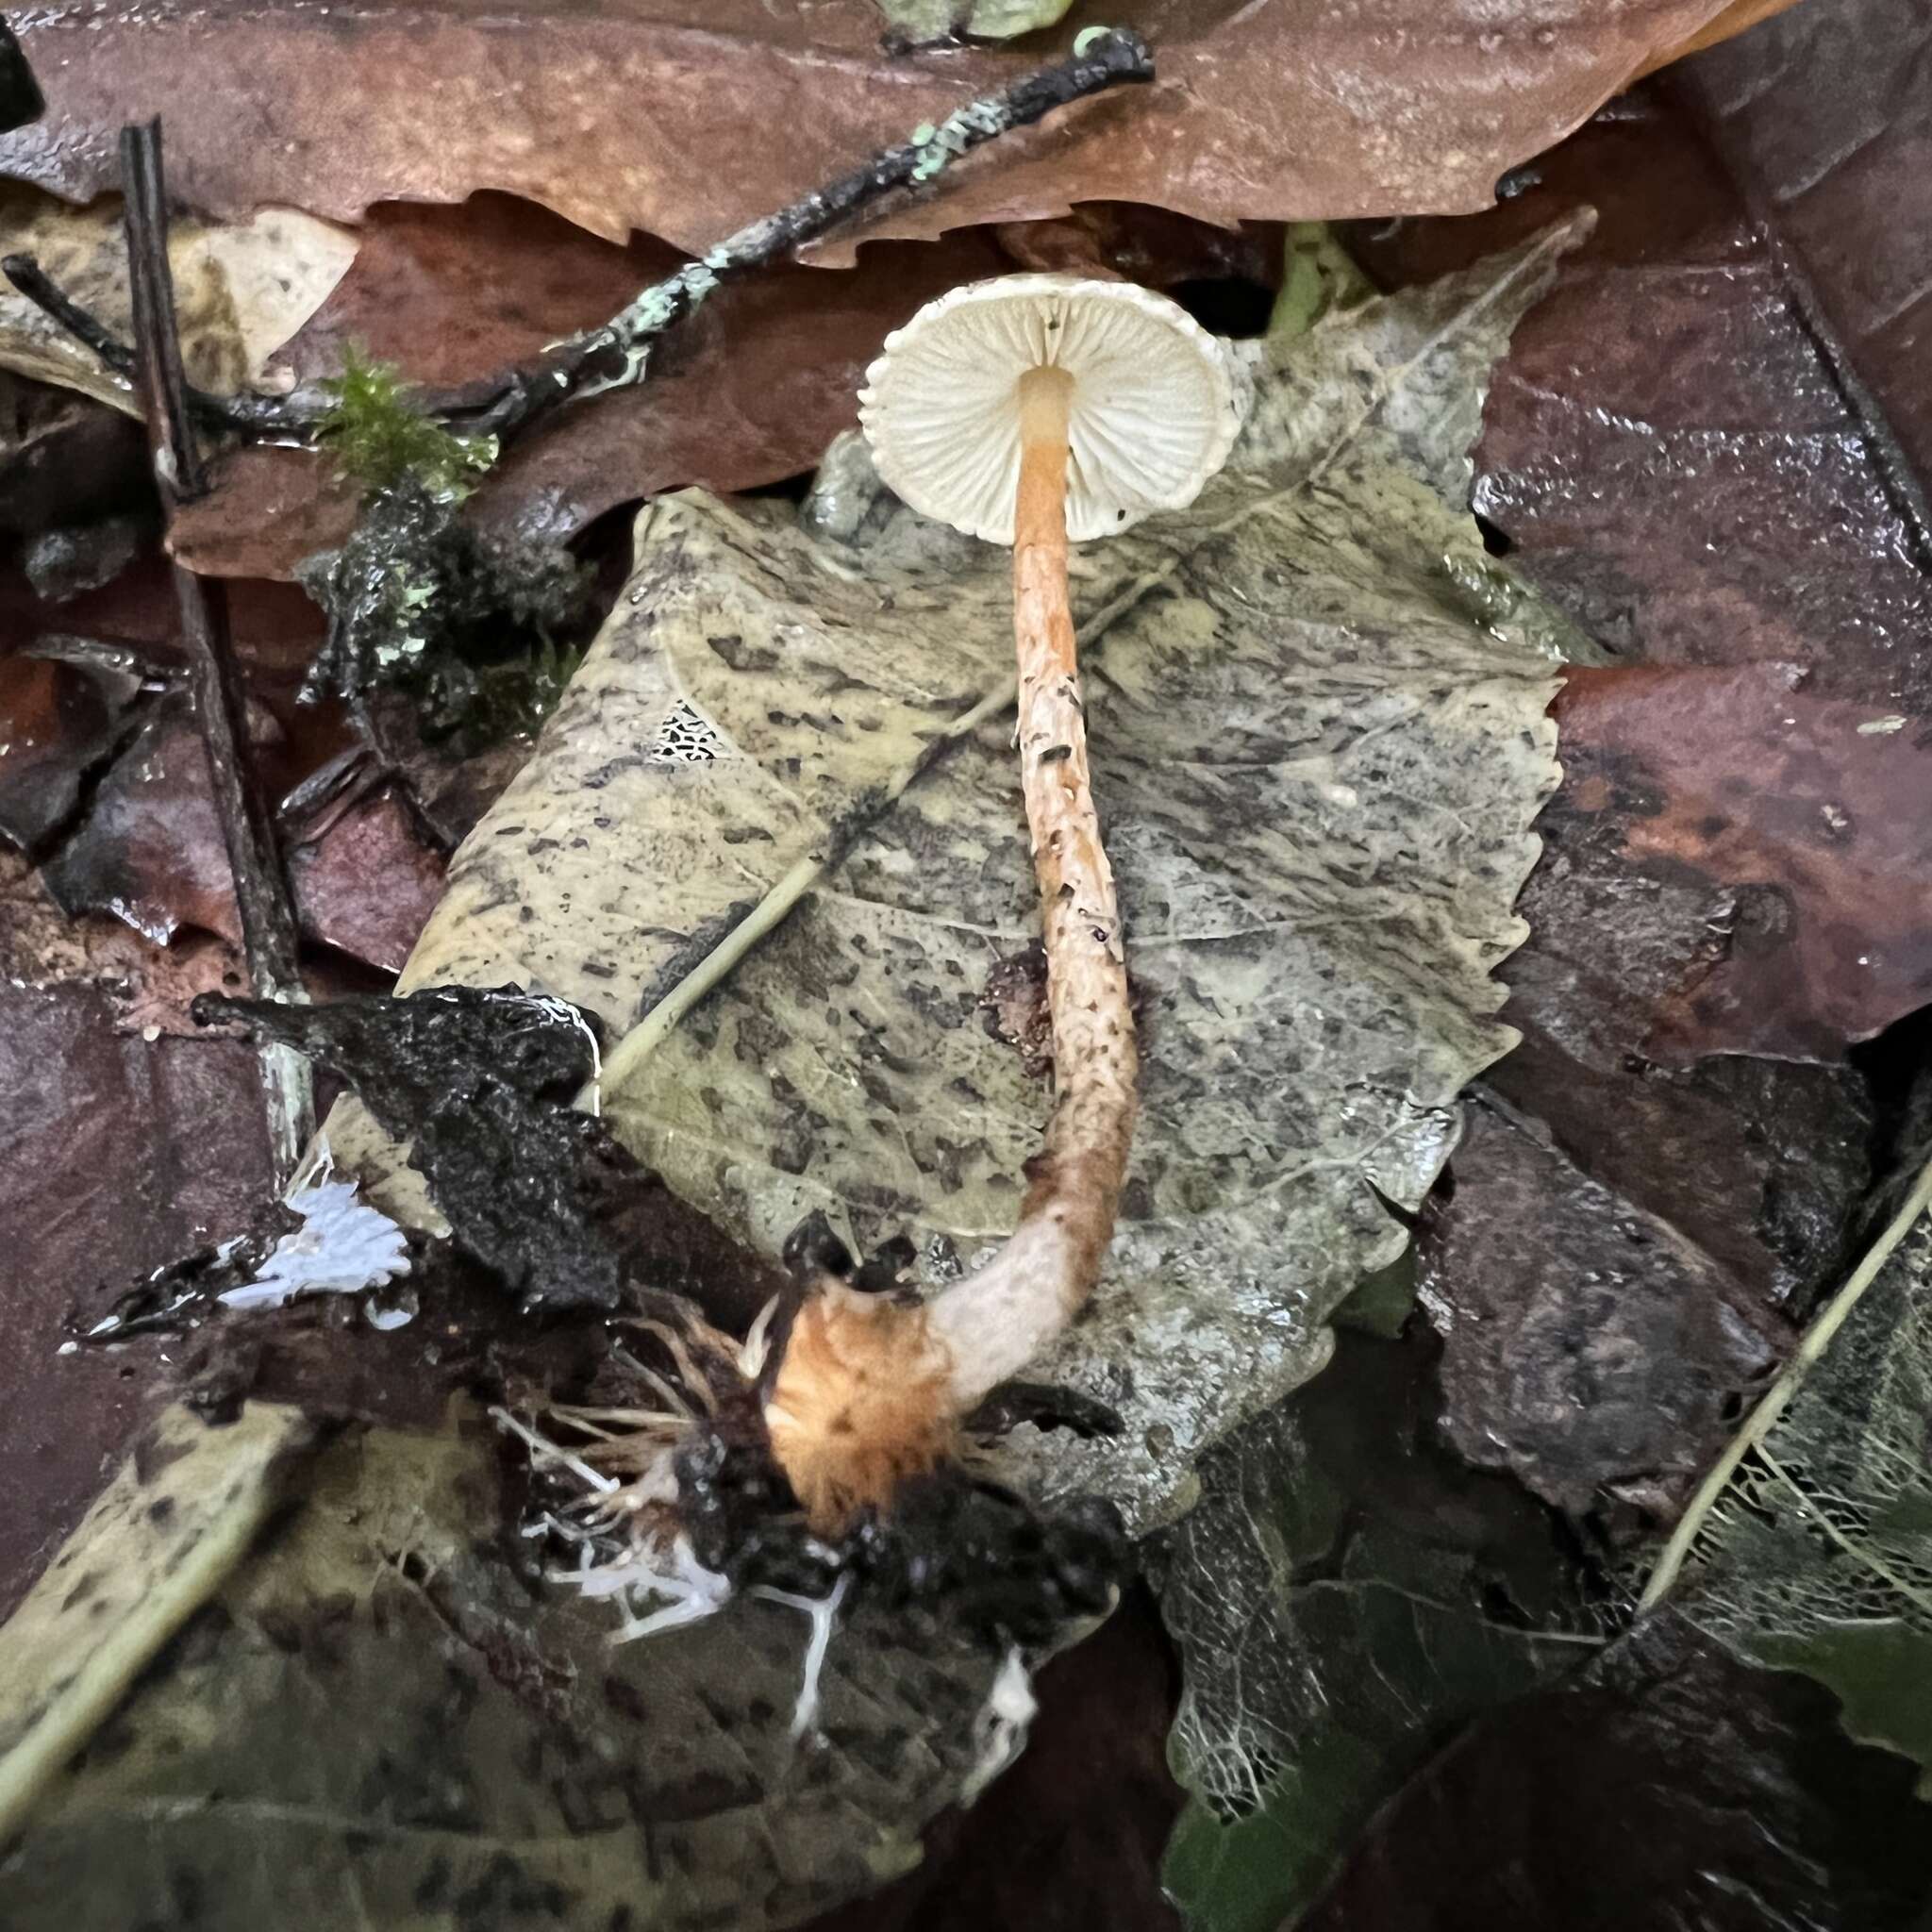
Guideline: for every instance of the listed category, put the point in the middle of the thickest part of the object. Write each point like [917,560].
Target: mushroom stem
[999,1318]
[869,1391]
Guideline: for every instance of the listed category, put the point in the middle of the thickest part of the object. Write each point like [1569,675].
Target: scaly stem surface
[1000,1318]
[870,1392]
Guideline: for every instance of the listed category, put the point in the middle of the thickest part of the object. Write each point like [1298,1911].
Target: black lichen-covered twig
[617,352]
[262,891]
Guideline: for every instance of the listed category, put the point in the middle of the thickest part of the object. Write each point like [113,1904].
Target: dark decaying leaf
[1824,123]
[148,848]
[1677,462]
[540,1195]
[1800,822]
[1670,446]
[367,883]
[388,1717]
[1587,1346]
[1346,1595]
[64,459]
[688,120]
[116,1154]
[1669,1788]
[57,724]
[1069,1839]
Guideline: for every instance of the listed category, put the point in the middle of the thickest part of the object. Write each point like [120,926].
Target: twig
[261,893]
[617,353]
[1812,1349]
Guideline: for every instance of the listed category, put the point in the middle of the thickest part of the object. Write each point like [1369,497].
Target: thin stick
[1777,1398]
[261,893]
[618,353]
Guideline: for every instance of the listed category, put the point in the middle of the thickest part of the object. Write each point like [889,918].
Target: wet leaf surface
[1069,1838]
[686,122]
[63,459]
[1587,1346]
[1819,119]
[57,724]
[1669,445]
[1795,817]
[116,1154]
[1716,503]
[366,883]
[844,1066]
[1668,1787]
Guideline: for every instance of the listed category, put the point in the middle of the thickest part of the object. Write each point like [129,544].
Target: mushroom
[1024,410]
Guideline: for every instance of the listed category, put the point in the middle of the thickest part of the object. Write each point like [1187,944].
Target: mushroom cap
[1151,416]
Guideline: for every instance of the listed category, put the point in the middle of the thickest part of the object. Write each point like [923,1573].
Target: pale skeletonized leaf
[1811,1546]
[242,288]
[1319,741]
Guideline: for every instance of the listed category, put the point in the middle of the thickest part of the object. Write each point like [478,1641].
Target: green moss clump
[377,438]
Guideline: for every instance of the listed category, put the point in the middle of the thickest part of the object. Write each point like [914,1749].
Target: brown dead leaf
[116,1154]
[1824,122]
[748,392]
[150,851]
[1668,446]
[64,459]
[57,725]
[150,848]
[367,884]
[1587,1346]
[688,121]
[1801,818]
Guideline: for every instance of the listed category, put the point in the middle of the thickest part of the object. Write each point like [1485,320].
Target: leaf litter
[1337,582]
[1484,590]
[855,822]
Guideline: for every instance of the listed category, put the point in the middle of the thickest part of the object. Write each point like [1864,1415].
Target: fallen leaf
[1149,245]
[1297,1071]
[1669,1785]
[694,121]
[938,19]
[1718,502]
[1669,445]
[1810,1547]
[150,848]
[367,884]
[470,1742]
[748,392]
[64,459]
[57,725]
[1816,117]
[1345,1594]
[1070,1838]
[116,1154]
[1796,818]
[1587,1346]
[241,290]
